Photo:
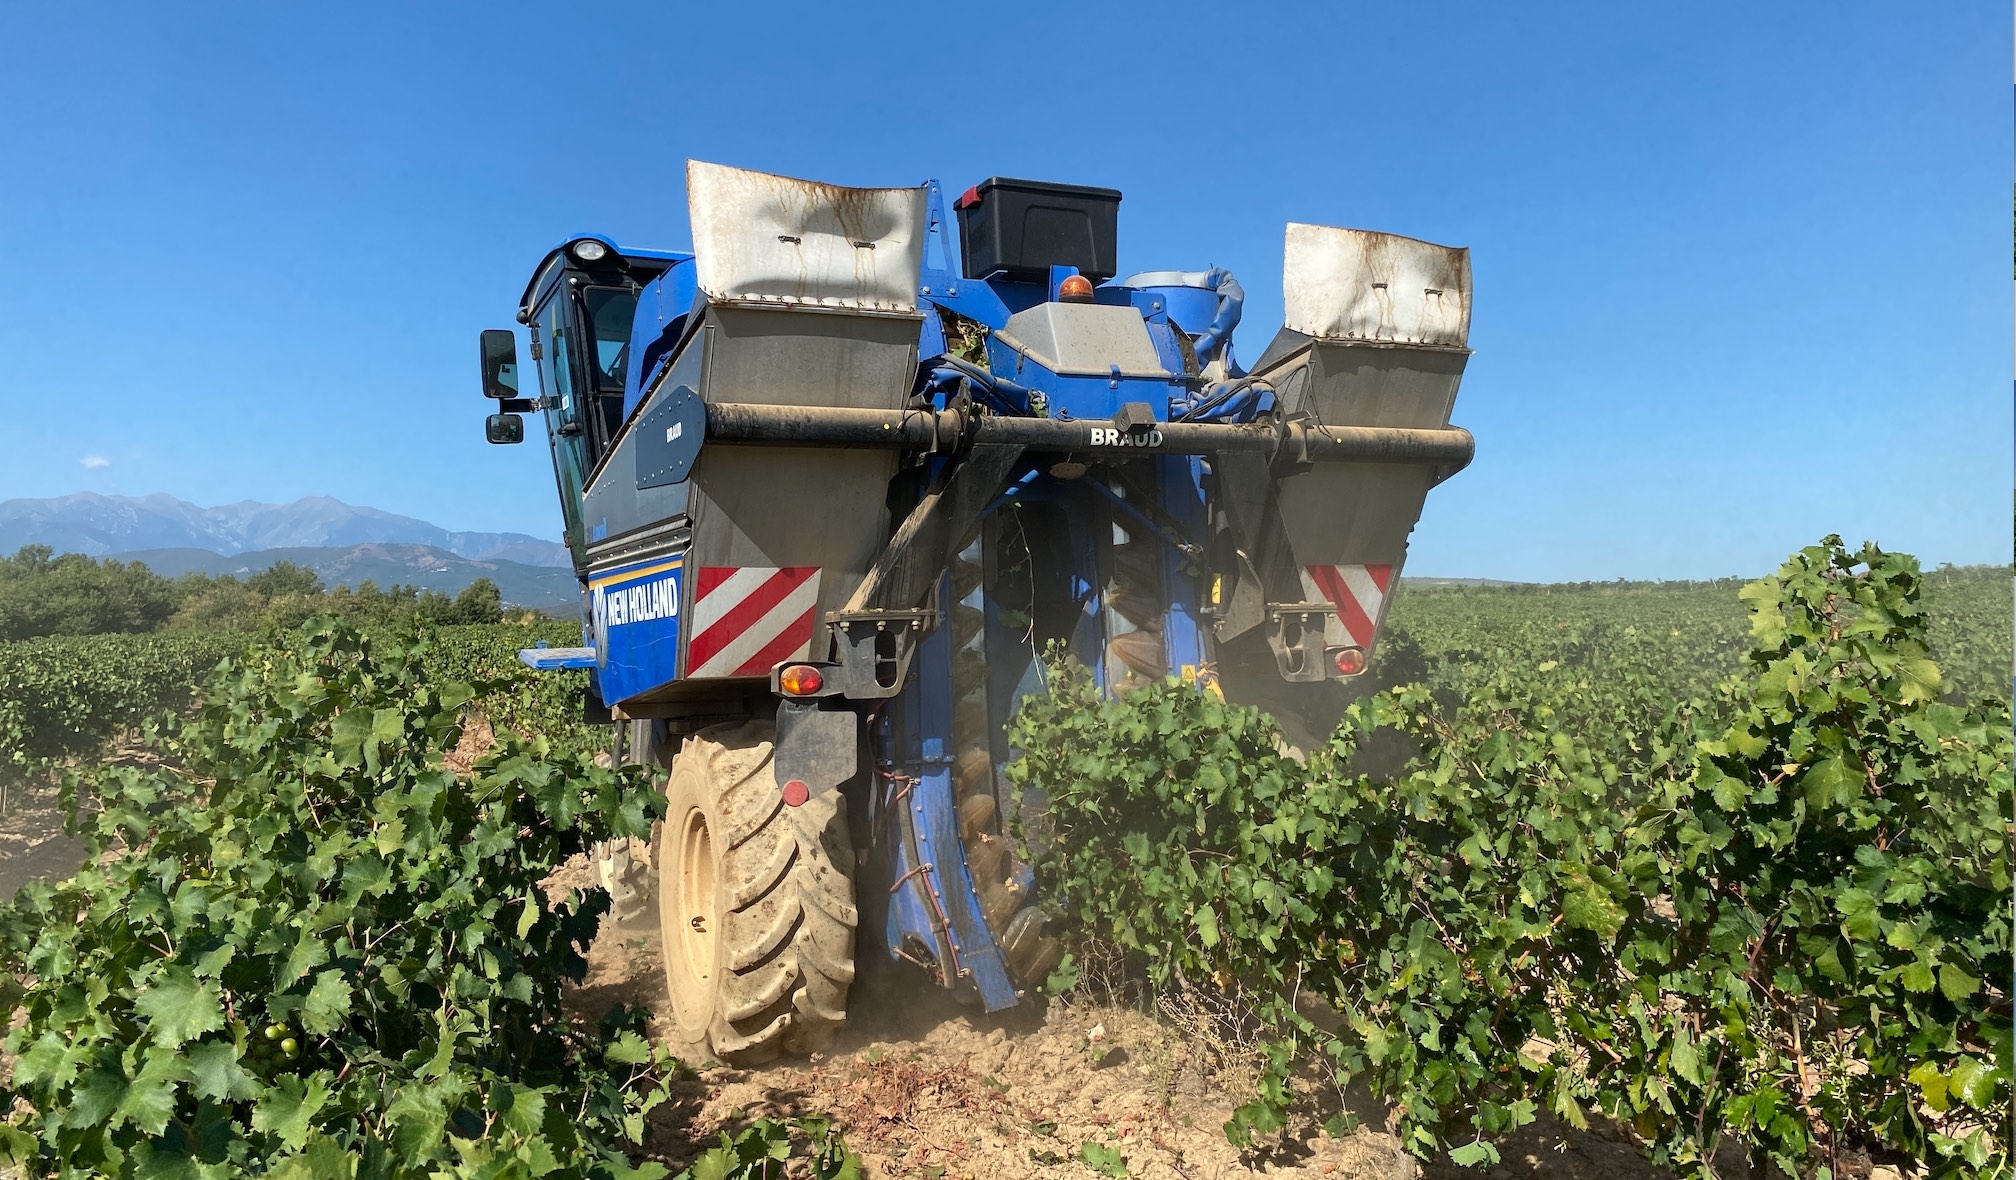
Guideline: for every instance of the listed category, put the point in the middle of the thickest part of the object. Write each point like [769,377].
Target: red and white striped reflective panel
[1359,594]
[748,619]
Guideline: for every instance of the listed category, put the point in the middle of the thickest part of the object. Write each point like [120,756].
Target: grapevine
[1773,914]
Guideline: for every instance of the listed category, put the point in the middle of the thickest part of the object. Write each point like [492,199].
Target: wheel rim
[697,917]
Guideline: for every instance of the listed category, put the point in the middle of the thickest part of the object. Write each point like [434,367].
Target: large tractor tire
[755,902]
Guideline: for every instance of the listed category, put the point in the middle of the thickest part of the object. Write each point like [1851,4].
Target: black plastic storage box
[1019,229]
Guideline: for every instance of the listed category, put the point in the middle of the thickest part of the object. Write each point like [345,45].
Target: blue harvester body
[856,460]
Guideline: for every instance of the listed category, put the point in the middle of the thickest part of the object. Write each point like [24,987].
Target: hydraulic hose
[951,368]
[1237,400]
[1231,303]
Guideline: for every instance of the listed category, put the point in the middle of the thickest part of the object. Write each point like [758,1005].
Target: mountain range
[343,543]
[425,566]
[100,526]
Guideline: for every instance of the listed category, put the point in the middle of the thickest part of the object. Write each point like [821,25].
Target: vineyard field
[1575,841]
[1696,632]
[61,698]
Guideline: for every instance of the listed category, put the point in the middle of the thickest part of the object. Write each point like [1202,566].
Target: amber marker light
[798,680]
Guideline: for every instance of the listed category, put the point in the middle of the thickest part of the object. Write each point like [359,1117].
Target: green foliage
[760,1152]
[1103,1158]
[1063,977]
[65,697]
[1839,861]
[368,606]
[304,947]
[216,603]
[43,594]
[1693,635]
[545,704]
[479,602]
[285,579]
[1771,909]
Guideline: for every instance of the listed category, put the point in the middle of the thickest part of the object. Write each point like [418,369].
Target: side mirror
[500,364]
[504,429]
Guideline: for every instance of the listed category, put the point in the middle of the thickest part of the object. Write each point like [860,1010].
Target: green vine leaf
[178,1007]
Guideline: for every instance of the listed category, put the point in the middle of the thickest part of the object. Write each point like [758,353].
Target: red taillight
[799,680]
[796,793]
[1350,661]
[1075,289]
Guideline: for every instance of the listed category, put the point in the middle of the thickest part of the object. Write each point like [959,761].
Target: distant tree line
[43,593]
[1945,573]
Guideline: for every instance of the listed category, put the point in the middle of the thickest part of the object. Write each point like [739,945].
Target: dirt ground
[33,846]
[927,1088]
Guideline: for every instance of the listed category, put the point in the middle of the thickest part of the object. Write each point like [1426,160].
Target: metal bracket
[1300,661]
[1134,417]
[1145,511]
[1247,498]
[875,647]
[818,747]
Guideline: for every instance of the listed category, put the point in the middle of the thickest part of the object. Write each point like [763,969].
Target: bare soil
[925,1087]
[33,846]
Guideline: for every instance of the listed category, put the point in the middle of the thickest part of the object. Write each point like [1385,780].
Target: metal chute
[808,303]
[1376,338]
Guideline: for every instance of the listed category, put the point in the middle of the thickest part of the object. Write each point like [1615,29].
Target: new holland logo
[643,602]
[612,603]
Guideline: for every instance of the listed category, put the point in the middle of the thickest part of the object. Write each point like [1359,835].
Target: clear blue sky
[1742,271]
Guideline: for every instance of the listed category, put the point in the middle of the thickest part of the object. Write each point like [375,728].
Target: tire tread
[786,952]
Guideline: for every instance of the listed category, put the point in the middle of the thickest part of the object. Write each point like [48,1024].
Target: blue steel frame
[930,859]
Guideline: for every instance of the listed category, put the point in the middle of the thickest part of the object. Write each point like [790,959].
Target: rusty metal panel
[776,507]
[1383,325]
[773,239]
[1353,284]
[810,507]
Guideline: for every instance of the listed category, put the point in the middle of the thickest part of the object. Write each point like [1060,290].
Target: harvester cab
[834,481]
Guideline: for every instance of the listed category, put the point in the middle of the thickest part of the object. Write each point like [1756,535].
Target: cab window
[564,402]
[558,377]
[611,311]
